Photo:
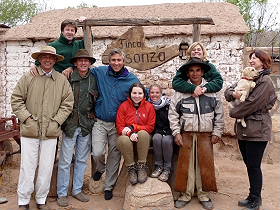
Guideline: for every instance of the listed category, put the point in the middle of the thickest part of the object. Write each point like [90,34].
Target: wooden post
[87,38]
[196,32]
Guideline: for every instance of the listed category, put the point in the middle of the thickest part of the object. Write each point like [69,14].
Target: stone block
[153,194]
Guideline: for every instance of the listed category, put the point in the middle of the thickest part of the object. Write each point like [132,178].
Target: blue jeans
[81,146]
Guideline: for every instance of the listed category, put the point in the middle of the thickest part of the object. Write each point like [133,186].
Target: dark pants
[252,153]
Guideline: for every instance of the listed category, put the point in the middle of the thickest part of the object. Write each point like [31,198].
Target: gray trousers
[163,150]
[104,133]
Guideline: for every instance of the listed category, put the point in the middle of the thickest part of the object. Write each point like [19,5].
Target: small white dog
[244,87]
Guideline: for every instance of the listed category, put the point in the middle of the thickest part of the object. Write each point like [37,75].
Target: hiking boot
[141,172]
[254,203]
[132,174]
[108,194]
[23,207]
[63,201]
[164,175]
[43,207]
[157,172]
[81,197]
[244,203]
[180,204]
[97,176]
[207,204]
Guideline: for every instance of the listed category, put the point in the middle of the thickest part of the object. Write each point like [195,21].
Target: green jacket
[85,94]
[48,101]
[213,77]
[67,49]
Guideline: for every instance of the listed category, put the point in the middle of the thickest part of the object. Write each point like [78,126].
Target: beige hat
[47,50]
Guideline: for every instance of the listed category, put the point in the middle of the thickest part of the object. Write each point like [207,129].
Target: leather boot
[141,172]
[132,175]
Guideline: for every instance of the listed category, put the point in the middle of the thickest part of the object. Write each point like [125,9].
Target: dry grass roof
[46,25]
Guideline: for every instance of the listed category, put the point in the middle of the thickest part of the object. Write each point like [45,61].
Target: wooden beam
[196,32]
[88,39]
[145,22]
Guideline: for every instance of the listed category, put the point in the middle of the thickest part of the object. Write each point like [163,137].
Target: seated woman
[135,122]
[162,138]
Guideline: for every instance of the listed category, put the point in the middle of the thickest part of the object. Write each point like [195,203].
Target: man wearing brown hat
[196,123]
[42,103]
[77,129]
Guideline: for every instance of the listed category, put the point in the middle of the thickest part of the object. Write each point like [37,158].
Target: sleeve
[180,84]
[174,117]
[150,124]
[120,122]
[257,100]
[214,79]
[18,99]
[218,119]
[66,105]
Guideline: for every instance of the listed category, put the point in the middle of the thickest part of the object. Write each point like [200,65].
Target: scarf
[162,102]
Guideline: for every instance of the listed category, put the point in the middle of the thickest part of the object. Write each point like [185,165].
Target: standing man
[41,103]
[77,130]
[197,123]
[113,83]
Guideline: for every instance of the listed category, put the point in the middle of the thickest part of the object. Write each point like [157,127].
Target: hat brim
[37,54]
[91,59]
[185,67]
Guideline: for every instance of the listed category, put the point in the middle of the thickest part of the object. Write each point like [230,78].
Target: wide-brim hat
[47,50]
[83,53]
[195,61]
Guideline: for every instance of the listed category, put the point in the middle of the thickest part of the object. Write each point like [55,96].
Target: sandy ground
[231,178]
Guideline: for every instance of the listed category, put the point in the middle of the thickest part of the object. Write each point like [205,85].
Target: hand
[125,131]
[179,139]
[134,137]
[67,72]
[215,139]
[236,94]
[198,91]
[33,70]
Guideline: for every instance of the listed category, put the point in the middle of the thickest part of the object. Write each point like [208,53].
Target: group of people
[107,108]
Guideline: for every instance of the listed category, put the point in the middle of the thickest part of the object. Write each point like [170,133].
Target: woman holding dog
[253,138]
[213,76]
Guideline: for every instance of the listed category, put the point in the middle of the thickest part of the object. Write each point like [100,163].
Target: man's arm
[218,119]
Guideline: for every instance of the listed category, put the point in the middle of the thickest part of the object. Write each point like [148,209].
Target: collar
[247,78]
[64,40]
[75,76]
[122,73]
[52,74]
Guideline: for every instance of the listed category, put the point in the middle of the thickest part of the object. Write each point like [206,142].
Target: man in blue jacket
[113,83]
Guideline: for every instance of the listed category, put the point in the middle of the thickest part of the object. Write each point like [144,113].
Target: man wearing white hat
[41,103]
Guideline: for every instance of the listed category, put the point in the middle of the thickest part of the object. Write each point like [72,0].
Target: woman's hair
[137,84]
[156,85]
[68,22]
[264,58]
[193,45]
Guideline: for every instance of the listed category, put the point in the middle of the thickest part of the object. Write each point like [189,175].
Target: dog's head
[250,72]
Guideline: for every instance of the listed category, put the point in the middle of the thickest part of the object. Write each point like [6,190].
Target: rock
[97,187]
[153,194]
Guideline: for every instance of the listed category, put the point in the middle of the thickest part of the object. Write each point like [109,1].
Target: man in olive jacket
[41,103]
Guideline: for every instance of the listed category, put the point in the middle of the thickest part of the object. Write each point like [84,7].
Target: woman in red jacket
[136,119]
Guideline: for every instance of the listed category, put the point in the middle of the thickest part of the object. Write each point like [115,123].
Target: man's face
[195,74]
[47,61]
[116,62]
[69,32]
[83,64]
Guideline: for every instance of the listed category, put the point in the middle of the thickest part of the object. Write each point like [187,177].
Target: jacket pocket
[29,128]
[254,126]
[53,129]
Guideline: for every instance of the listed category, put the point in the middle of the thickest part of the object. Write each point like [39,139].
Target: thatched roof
[46,25]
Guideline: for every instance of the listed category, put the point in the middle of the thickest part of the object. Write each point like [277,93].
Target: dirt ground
[231,178]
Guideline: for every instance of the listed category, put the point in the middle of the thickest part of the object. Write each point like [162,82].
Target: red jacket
[143,118]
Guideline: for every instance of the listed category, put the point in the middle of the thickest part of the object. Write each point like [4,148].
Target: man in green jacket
[77,129]
[42,103]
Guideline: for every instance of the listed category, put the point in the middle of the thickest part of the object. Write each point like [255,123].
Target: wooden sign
[137,54]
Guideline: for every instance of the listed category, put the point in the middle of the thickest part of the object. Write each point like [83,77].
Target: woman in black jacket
[253,138]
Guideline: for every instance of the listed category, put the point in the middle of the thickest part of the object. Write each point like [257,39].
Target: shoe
[180,204]
[164,175]
[108,194]
[81,197]
[3,200]
[254,204]
[97,176]
[157,172]
[23,207]
[141,172]
[244,203]
[43,207]
[63,201]
[207,204]
[132,174]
